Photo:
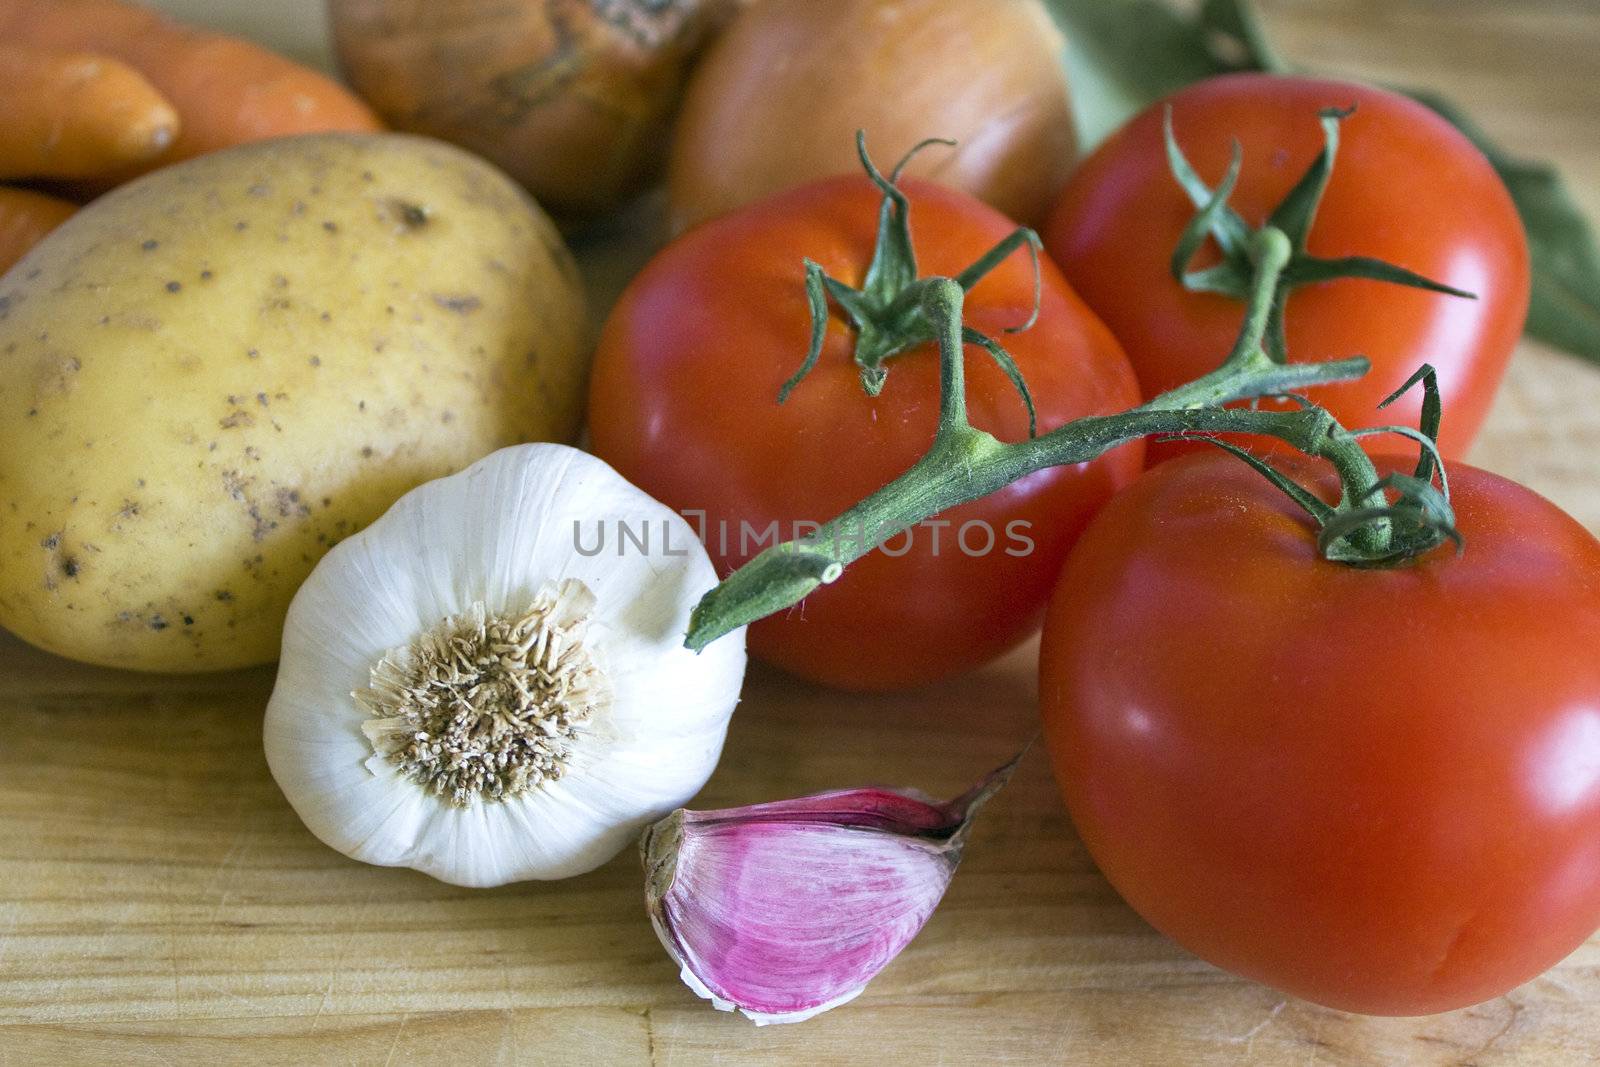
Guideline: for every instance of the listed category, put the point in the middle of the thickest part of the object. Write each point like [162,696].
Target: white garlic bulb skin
[491,540]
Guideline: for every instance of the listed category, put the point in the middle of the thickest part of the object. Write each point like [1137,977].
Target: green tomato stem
[965,463]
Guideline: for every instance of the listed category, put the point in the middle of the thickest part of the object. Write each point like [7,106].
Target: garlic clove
[471,556]
[787,909]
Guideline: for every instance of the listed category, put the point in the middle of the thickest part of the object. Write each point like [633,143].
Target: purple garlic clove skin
[787,909]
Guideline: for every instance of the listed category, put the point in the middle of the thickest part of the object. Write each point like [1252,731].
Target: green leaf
[1122,54]
[1565,309]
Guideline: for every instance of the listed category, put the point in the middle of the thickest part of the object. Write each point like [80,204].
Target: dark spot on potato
[205,276]
[361,405]
[261,398]
[315,361]
[105,320]
[280,281]
[69,566]
[237,419]
[150,244]
[447,417]
[173,287]
[259,189]
[366,452]
[330,226]
[326,316]
[461,304]
[260,525]
[252,353]
[327,501]
[33,274]
[130,508]
[252,453]
[289,504]
[409,215]
[235,484]
[157,623]
[241,226]
[51,543]
[188,620]
[299,207]
[224,595]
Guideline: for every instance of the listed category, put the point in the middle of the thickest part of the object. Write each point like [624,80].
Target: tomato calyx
[1418,519]
[1294,216]
[887,311]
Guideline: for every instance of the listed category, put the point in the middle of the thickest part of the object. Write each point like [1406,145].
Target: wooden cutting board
[160,903]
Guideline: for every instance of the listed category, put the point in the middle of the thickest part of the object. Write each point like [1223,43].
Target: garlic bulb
[489,683]
[785,910]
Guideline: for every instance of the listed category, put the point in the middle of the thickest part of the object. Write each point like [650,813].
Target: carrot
[25,217]
[227,91]
[75,115]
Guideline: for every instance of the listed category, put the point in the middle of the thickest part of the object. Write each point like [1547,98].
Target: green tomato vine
[1377,522]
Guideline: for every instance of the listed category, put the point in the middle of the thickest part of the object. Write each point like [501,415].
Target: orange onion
[779,96]
[572,98]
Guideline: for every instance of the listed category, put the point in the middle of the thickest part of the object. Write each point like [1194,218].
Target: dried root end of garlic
[483,707]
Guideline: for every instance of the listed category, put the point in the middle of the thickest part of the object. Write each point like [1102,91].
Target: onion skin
[572,98]
[778,98]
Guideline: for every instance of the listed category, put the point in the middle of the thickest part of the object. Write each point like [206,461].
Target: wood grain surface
[160,903]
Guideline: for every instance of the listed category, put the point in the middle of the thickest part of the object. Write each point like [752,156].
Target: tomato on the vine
[1408,188]
[684,403]
[1375,789]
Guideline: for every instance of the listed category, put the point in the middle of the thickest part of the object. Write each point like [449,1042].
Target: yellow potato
[213,374]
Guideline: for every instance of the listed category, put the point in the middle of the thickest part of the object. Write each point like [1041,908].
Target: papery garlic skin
[788,909]
[498,534]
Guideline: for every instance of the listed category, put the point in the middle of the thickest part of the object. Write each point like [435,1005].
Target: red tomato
[683,402]
[1407,188]
[1374,789]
